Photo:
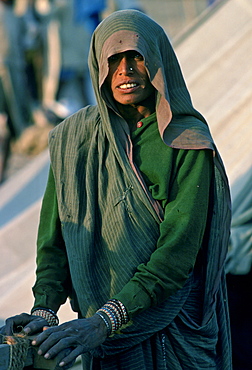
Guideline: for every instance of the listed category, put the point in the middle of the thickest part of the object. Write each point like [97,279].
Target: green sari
[102,196]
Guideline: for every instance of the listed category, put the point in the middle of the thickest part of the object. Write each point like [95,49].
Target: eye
[138,57]
[135,55]
[113,58]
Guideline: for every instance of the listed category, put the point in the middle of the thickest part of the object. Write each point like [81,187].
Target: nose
[124,67]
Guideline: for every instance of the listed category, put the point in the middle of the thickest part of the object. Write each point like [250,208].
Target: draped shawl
[110,223]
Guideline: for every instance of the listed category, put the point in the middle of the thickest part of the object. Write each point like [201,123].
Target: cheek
[143,75]
[108,79]
[109,82]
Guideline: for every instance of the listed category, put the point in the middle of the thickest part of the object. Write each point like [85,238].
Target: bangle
[111,317]
[125,316]
[107,323]
[47,314]
[115,311]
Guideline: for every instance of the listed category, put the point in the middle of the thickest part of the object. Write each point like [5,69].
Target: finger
[46,332]
[69,360]
[60,357]
[14,322]
[35,326]
[54,344]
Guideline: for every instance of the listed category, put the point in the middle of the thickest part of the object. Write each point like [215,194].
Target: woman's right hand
[24,322]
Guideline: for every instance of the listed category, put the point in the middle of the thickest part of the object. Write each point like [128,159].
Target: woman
[135,219]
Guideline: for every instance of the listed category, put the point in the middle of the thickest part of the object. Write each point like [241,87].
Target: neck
[133,113]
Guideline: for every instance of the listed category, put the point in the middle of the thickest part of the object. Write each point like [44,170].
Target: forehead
[126,53]
[119,42]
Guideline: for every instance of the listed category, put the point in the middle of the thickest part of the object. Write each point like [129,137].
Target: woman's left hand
[76,336]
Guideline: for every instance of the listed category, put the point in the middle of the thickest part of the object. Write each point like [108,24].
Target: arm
[52,285]
[181,234]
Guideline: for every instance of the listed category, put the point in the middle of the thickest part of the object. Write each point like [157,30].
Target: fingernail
[47,355]
[61,363]
[34,343]
[27,330]
[39,352]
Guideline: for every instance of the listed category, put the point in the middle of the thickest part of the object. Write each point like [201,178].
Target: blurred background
[44,78]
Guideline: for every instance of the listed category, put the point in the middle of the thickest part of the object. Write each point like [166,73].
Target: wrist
[47,314]
[114,315]
[106,322]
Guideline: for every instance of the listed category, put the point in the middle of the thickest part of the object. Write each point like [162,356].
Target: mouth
[127,86]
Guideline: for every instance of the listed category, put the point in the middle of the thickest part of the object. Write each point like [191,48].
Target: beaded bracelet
[121,309]
[125,316]
[116,312]
[106,321]
[47,314]
[112,318]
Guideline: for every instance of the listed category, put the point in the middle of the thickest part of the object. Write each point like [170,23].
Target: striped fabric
[110,225]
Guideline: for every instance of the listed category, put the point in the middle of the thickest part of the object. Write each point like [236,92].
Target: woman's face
[128,79]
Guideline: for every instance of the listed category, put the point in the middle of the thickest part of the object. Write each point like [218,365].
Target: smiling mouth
[128,86]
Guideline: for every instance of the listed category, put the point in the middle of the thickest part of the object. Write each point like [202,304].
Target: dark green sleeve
[181,234]
[52,284]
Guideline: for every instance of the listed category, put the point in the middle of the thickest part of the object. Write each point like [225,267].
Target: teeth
[128,86]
